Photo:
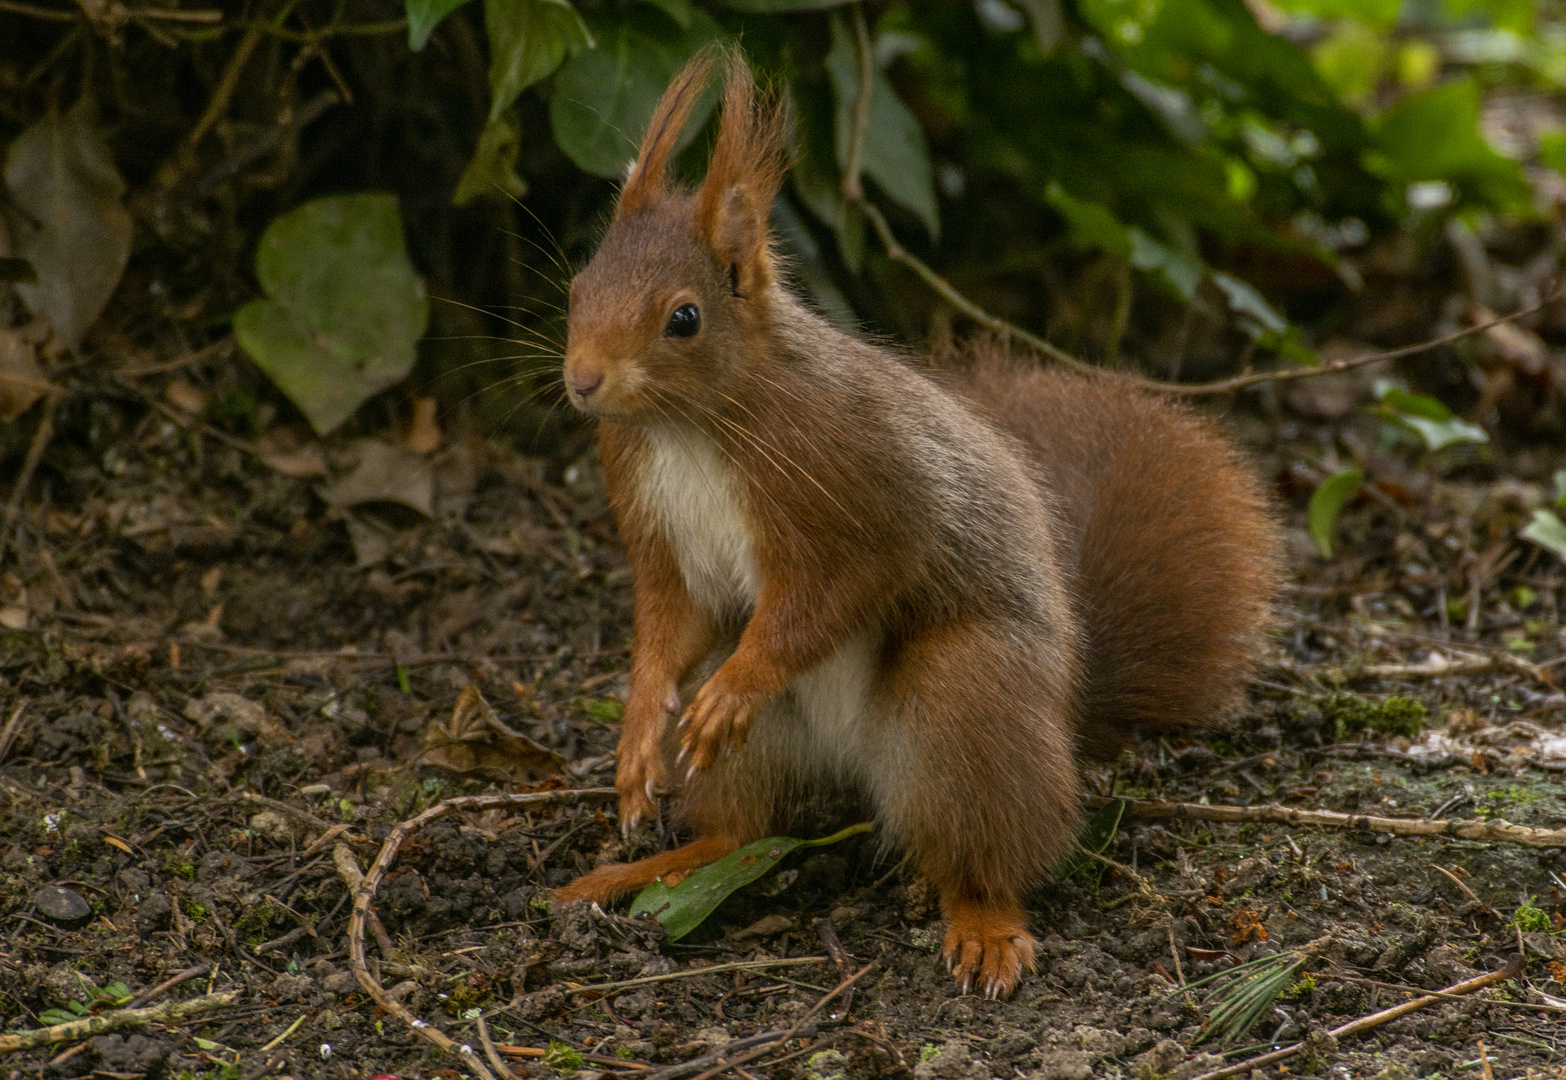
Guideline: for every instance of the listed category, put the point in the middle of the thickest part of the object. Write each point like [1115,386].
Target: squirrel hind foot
[987,948]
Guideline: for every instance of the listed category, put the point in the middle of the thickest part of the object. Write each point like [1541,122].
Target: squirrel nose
[583,385]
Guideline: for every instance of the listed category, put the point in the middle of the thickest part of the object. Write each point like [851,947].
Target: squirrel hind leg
[987,945]
[618,880]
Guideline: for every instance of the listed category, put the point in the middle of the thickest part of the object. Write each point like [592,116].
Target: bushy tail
[1177,557]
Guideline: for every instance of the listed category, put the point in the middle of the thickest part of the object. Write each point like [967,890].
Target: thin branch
[1240,382]
[52,14]
[1497,831]
[185,157]
[364,893]
[897,253]
[1374,1020]
[853,185]
[691,973]
[114,1020]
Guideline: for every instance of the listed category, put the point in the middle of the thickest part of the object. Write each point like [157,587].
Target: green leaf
[606,709]
[895,155]
[345,309]
[1327,502]
[1379,13]
[1435,135]
[492,174]
[604,98]
[768,7]
[680,11]
[1548,531]
[1096,834]
[1255,313]
[1093,226]
[1427,417]
[51,1017]
[1552,150]
[682,908]
[424,16]
[527,41]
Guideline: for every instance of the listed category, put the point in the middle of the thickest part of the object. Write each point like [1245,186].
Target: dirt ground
[211,676]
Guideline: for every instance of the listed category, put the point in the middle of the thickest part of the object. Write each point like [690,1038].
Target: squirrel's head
[682,285]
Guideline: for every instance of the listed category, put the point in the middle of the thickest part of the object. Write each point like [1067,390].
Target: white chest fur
[695,493]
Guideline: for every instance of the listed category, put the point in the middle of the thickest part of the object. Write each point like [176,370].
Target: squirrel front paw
[717,720]
[639,778]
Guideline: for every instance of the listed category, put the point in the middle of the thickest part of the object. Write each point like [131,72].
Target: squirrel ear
[648,178]
[747,169]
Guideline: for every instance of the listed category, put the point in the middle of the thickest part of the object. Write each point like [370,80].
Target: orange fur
[926,591]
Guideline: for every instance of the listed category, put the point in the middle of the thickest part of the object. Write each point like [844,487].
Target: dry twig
[1495,831]
[364,894]
[114,1020]
[691,973]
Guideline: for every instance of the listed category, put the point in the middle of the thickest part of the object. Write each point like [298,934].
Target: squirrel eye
[685,321]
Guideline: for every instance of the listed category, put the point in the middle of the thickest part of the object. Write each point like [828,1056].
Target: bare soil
[195,632]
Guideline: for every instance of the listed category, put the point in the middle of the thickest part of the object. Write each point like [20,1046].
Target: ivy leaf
[527,41]
[1435,135]
[1426,416]
[894,154]
[1327,503]
[424,16]
[70,222]
[1548,531]
[345,309]
[683,907]
[492,174]
[1093,226]
[604,98]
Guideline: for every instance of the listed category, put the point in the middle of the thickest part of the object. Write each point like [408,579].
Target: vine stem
[854,195]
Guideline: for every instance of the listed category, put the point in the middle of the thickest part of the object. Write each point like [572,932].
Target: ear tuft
[747,169]
[647,178]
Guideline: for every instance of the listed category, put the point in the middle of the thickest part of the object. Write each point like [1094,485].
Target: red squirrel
[932,586]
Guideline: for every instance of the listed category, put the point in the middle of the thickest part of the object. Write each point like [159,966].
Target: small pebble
[62,906]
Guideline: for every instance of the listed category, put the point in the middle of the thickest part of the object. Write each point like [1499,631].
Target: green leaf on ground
[1327,503]
[894,155]
[1548,531]
[528,39]
[683,907]
[69,219]
[424,16]
[344,309]
[604,98]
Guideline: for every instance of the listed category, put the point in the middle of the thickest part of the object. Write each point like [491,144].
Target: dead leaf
[423,436]
[70,219]
[248,717]
[182,395]
[302,464]
[384,473]
[22,380]
[476,740]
